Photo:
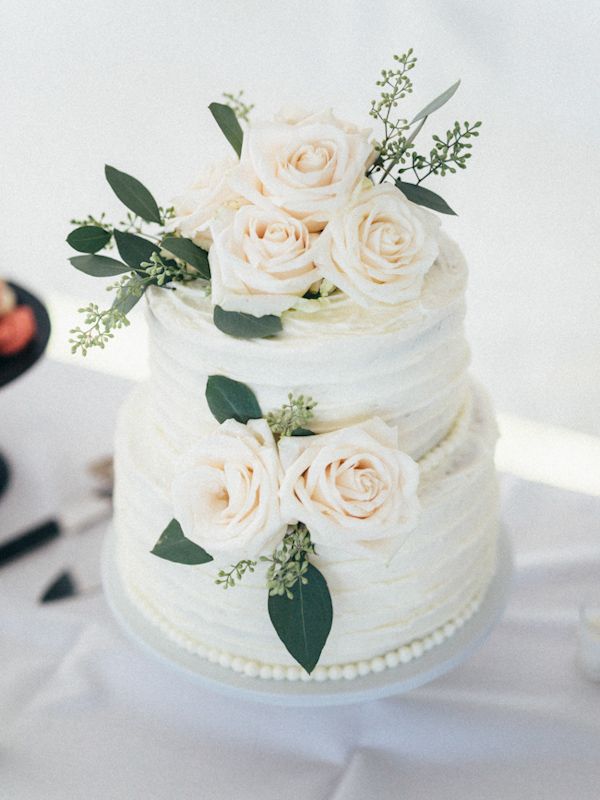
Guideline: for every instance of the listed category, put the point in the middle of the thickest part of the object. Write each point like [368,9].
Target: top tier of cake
[406,364]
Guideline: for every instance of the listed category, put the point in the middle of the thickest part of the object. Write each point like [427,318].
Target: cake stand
[403,678]
[11,367]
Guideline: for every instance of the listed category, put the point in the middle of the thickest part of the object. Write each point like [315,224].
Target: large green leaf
[424,197]
[99,266]
[439,101]
[127,303]
[133,194]
[228,122]
[245,326]
[229,399]
[88,238]
[303,623]
[189,252]
[134,250]
[173,546]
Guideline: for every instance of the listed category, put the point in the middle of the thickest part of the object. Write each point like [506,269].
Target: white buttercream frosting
[446,561]
[406,365]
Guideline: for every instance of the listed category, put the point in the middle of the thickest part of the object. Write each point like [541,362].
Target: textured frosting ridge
[446,562]
[407,365]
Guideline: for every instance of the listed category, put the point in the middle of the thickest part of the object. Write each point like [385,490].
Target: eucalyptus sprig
[237,103]
[289,562]
[447,155]
[150,257]
[131,224]
[228,578]
[396,151]
[128,290]
[91,220]
[395,85]
[292,416]
[101,325]
[161,272]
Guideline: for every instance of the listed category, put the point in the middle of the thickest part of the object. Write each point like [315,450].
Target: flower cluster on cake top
[309,206]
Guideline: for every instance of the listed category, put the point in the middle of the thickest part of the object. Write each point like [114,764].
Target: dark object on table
[76,518]
[24,543]
[63,586]
[4,474]
[13,366]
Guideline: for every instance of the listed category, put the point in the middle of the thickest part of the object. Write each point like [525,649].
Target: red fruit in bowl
[17,329]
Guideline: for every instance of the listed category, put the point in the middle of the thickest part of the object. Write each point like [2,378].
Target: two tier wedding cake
[305,487]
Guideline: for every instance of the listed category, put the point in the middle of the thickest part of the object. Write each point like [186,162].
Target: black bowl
[13,366]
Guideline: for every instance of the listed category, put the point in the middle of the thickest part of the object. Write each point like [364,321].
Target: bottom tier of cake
[384,613]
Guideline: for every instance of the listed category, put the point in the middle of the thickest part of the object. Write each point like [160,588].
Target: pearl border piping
[256,669]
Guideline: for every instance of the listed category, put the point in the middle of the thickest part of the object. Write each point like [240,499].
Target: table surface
[86,714]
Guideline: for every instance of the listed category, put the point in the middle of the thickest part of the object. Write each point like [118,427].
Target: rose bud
[17,329]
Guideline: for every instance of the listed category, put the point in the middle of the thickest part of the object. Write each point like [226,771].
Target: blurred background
[128,84]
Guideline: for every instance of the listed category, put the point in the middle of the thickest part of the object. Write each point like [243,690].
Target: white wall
[128,83]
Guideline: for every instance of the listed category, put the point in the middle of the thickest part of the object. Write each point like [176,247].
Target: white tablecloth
[85,714]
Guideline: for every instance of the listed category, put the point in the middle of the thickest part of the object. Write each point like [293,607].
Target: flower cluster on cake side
[309,207]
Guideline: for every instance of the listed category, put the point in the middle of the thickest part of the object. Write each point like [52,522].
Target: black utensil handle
[30,540]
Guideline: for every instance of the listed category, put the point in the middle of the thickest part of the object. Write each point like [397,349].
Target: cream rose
[225,493]
[307,165]
[353,488]
[196,207]
[261,260]
[379,247]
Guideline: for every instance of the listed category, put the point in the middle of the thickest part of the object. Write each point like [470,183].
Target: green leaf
[133,194]
[437,103]
[125,304]
[228,399]
[228,122]
[302,432]
[424,197]
[134,249]
[189,252]
[99,266]
[303,623]
[88,238]
[173,546]
[245,326]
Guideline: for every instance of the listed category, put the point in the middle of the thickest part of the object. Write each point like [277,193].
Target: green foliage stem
[128,289]
[289,562]
[294,414]
[228,578]
[237,103]
[396,151]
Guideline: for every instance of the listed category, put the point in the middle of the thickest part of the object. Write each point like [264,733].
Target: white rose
[353,488]
[306,165]
[196,207]
[379,247]
[225,493]
[261,261]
